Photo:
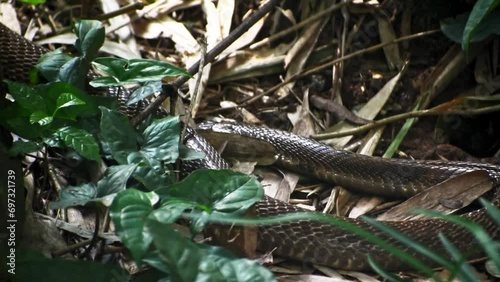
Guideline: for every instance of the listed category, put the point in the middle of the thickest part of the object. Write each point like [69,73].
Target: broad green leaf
[26,96]
[22,127]
[453,28]
[133,71]
[115,179]
[221,191]
[50,64]
[182,258]
[481,9]
[171,209]
[52,93]
[129,211]
[71,196]
[53,141]
[153,259]
[105,81]
[41,118]
[67,100]
[81,141]
[22,147]
[17,120]
[113,182]
[150,172]
[148,89]
[90,34]
[62,270]
[161,139]
[75,72]
[217,262]
[187,261]
[110,65]
[118,134]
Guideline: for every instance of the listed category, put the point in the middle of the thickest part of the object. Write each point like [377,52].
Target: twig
[436,111]
[309,20]
[221,46]
[325,65]
[123,10]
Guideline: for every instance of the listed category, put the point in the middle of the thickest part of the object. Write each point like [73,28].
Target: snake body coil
[312,241]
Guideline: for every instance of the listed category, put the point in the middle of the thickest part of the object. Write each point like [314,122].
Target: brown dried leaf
[462,190]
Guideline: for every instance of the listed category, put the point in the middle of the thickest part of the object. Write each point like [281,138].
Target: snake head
[231,138]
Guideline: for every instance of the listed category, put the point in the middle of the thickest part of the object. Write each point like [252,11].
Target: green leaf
[22,147]
[133,71]
[26,96]
[161,139]
[110,65]
[80,140]
[90,35]
[53,91]
[41,118]
[481,9]
[54,141]
[75,72]
[129,211]
[150,171]
[217,262]
[16,119]
[453,28]
[115,179]
[105,81]
[58,270]
[171,209]
[220,191]
[118,133]
[50,63]
[187,261]
[144,91]
[113,182]
[71,196]
[66,100]
[33,2]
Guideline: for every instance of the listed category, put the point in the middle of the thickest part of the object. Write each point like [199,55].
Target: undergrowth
[140,188]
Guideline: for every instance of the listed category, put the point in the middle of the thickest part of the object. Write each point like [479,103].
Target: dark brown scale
[312,241]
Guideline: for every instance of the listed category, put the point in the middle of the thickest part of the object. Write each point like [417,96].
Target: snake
[313,241]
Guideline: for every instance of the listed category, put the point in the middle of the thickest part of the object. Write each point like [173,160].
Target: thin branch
[325,65]
[221,46]
[303,23]
[436,111]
